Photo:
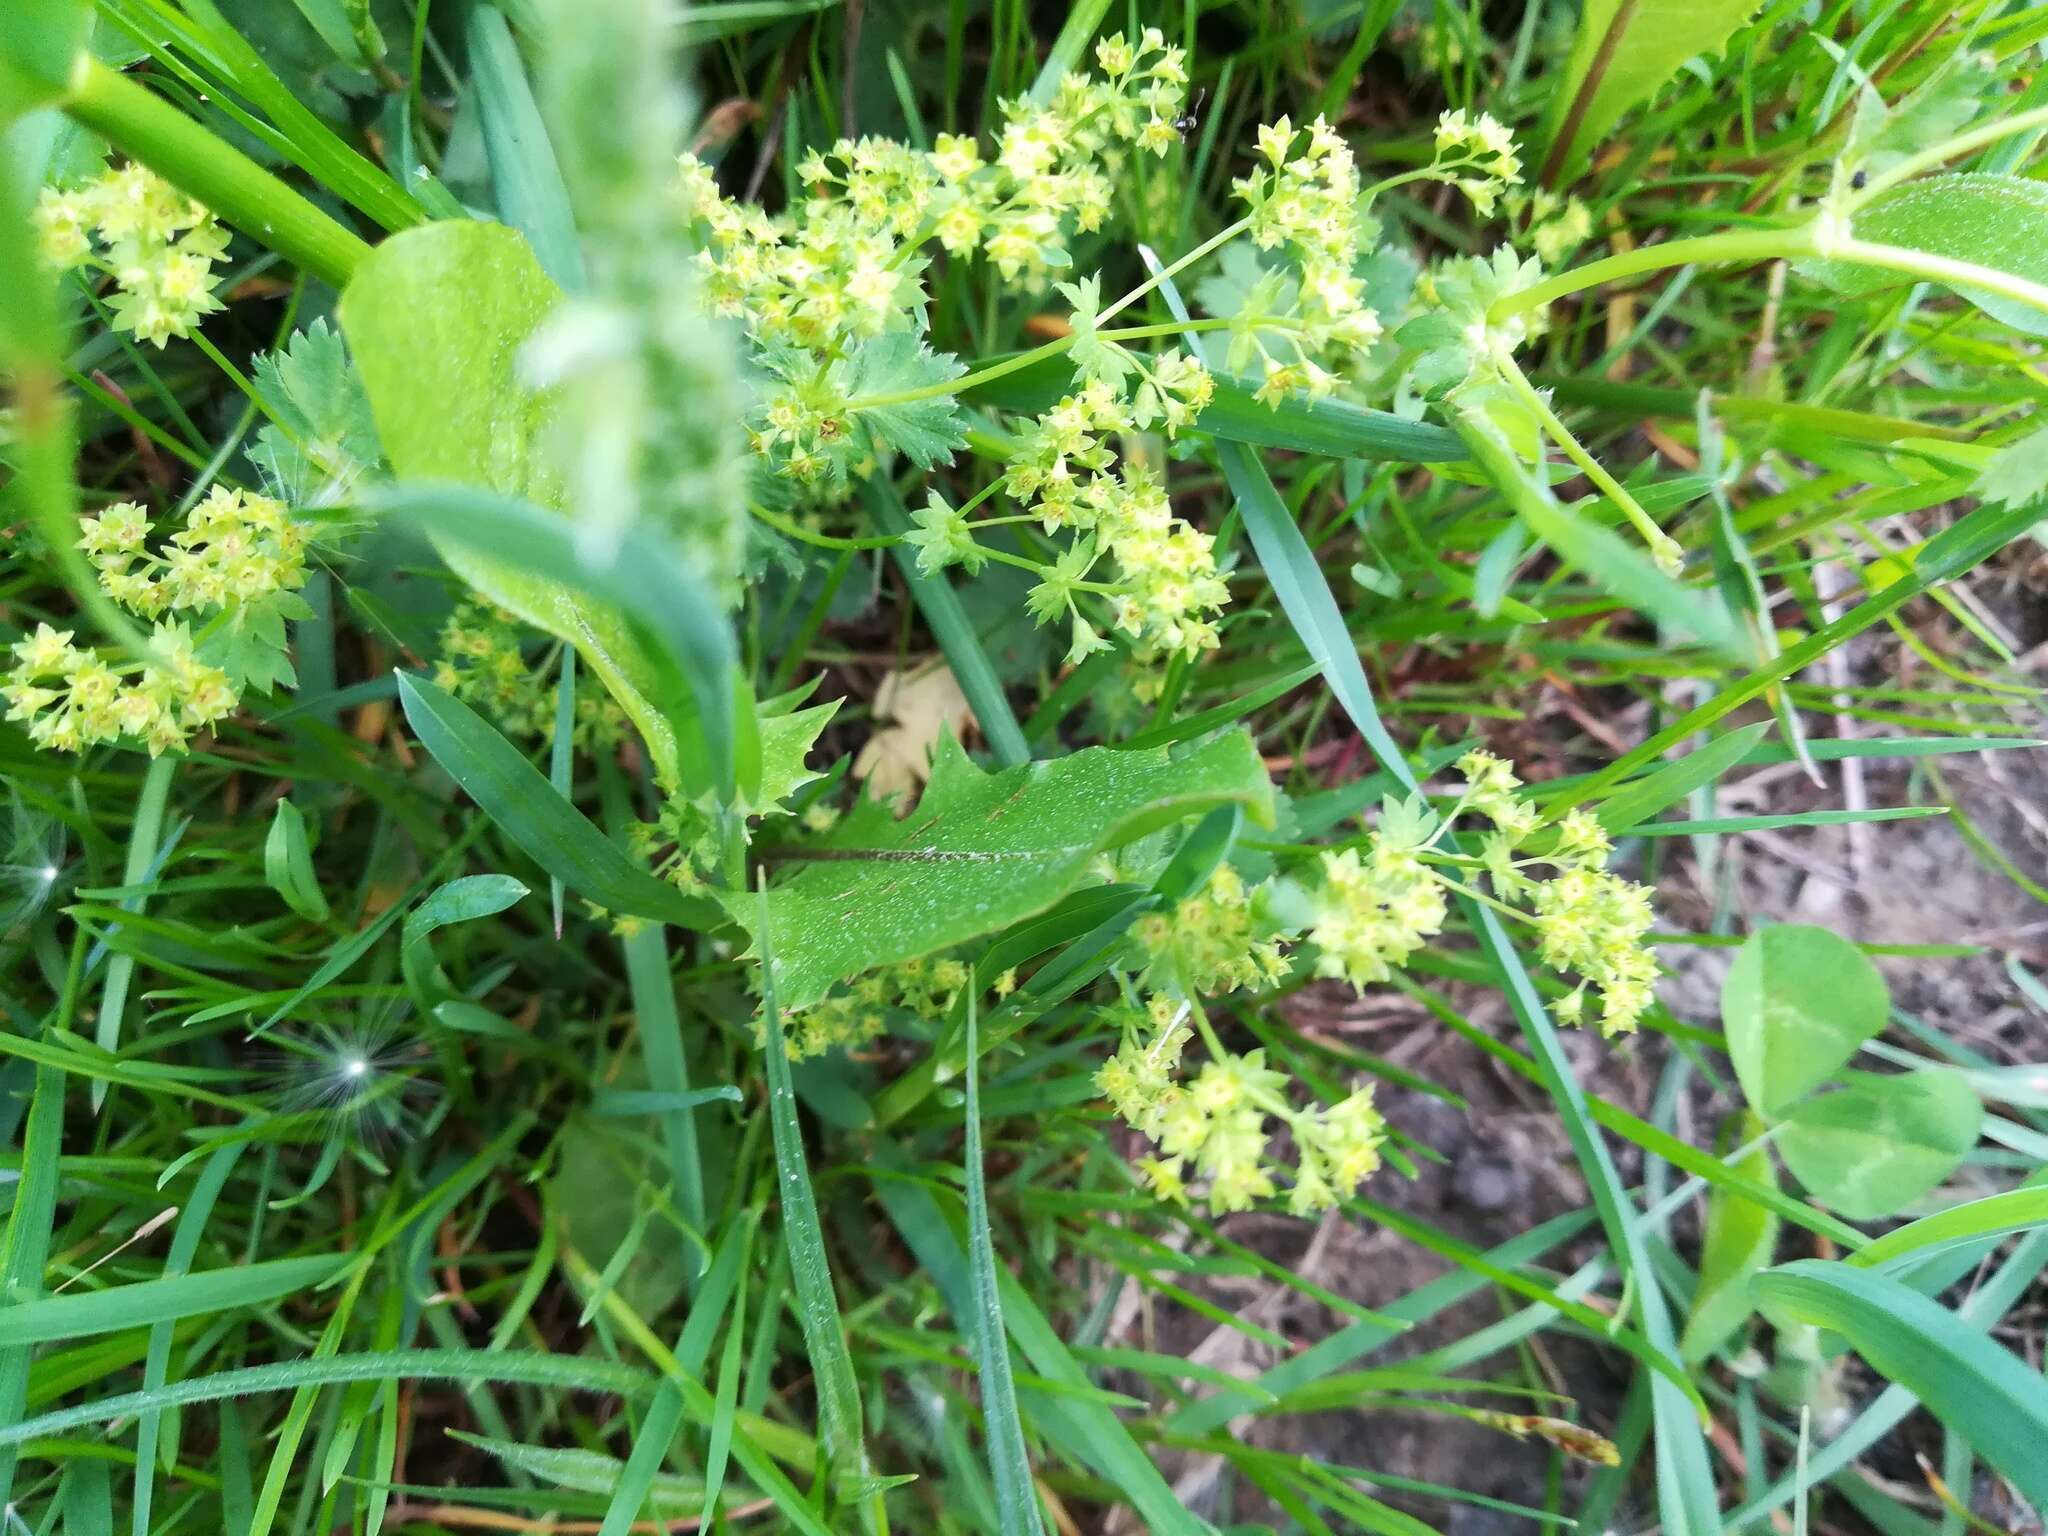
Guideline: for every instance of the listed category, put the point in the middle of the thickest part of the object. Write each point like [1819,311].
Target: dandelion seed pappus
[368,1084]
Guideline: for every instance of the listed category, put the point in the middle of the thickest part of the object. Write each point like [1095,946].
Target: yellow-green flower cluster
[841,266]
[482,663]
[1589,922]
[1167,590]
[1214,1130]
[1211,942]
[235,549]
[852,1016]
[1377,907]
[158,244]
[73,698]
[1374,911]
[1477,154]
[1557,226]
[845,265]
[1306,200]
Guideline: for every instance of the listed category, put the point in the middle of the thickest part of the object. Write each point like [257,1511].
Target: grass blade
[839,1411]
[531,195]
[661,1046]
[1083,1429]
[1976,1387]
[525,807]
[2016,1210]
[53,1319]
[1009,1461]
[143,837]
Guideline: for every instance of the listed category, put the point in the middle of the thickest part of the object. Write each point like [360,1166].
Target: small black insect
[1856,182]
[1186,123]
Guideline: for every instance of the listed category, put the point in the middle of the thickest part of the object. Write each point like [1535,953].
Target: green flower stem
[1574,450]
[1478,895]
[1940,269]
[1025,360]
[1729,245]
[1221,238]
[145,127]
[803,535]
[1941,154]
[1823,238]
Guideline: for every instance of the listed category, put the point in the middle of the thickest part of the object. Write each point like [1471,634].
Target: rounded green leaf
[1871,1149]
[1797,1003]
[1988,220]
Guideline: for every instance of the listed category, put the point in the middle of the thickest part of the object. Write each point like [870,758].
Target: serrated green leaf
[1797,1004]
[981,851]
[927,431]
[310,385]
[1872,1148]
[2018,473]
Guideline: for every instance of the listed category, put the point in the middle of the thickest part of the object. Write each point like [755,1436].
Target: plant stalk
[146,128]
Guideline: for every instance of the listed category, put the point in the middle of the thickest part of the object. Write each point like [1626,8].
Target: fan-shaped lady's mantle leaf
[980,852]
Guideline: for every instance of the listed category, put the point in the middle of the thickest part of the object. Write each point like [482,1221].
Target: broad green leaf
[1981,1391]
[1623,51]
[435,318]
[1994,221]
[981,851]
[1740,1239]
[1636,803]
[1872,1148]
[515,795]
[660,614]
[288,864]
[601,1193]
[1797,1004]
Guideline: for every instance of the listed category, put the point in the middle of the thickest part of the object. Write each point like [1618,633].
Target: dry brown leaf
[911,709]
